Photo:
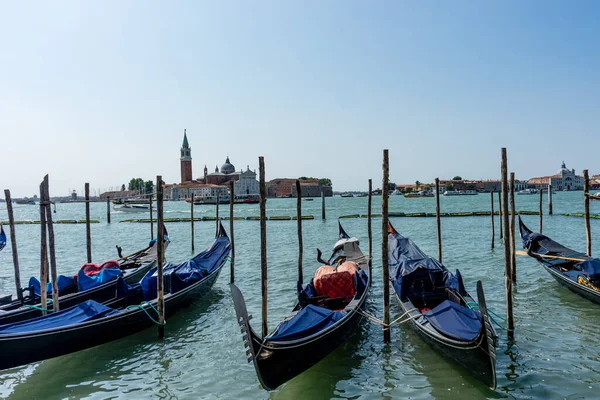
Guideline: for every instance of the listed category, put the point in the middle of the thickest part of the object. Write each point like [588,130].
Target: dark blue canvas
[454,320]
[310,320]
[2,237]
[82,312]
[85,282]
[62,282]
[189,272]
[591,268]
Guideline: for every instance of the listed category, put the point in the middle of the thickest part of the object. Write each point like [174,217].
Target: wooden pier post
[492,214]
[322,204]
[263,243]
[50,228]
[507,253]
[43,253]
[108,209]
[437,218]
[217,215]
[513,260]
[151,219]
[384,246]
[299,215]
[549,199]
[369,212]
[231,236]
[500,210]
[586,211]
[192,220]
[541,211]
[88,232]
[13,243]
[160,295]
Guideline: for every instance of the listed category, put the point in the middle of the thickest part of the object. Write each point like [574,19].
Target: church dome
[563,169]
[227,168]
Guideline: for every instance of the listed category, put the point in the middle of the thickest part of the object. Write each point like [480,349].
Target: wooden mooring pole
[507,252]
[231,236]
[217,215]
[88,232]
[43,252]
[151,220]
[13,243]
[108,209]
[160,295]
[437,218]
[586,211]
[549,199]
[322,204]
[263,243]
[500,210]
[50,229]
[299,215]
[492,214]
[384,246]
[513,260]
[192,220]
[541,211]
[370,232]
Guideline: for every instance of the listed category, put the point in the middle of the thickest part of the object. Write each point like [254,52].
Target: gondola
[90,323]
[100,287]
[572,269]
[318,323]
[440,310]
[2,237]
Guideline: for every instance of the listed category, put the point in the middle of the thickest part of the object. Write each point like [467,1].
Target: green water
[555,354]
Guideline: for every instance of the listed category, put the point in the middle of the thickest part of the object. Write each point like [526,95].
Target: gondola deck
[440,309]
[287,352]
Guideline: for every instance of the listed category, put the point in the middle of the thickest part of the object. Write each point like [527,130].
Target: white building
[564,179]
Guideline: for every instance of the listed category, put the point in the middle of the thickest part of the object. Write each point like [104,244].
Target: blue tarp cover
[85,282]
[184,274]
[62,282]
[311,319]
[454,320]
[2,238]
[591,268]
[82,312]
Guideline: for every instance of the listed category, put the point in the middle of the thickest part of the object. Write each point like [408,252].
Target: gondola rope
[141,307]
[377,321]
[474,305]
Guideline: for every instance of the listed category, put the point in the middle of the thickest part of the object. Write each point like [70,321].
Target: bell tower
[186,160]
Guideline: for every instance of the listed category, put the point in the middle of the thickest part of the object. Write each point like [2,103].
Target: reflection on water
[202,356]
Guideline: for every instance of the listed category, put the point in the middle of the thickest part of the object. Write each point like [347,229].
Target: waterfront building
[286,187]
[564,179]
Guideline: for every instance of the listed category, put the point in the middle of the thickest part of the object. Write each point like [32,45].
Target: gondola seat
[454,320]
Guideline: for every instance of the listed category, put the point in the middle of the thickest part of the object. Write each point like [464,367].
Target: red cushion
[338,284]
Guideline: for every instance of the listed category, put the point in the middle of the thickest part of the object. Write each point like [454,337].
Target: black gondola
[572,269]
[90,323]
[318,324]
[133,268]
[440,310]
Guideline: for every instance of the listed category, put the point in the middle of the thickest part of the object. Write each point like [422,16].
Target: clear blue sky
[100,91]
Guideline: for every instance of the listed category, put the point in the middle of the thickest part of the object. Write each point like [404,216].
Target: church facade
[564,179]
[210,185]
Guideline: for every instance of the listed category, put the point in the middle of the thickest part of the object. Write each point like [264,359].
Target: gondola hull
[561,260]
[278,362]
[102,293]
[20,349]
[476,356]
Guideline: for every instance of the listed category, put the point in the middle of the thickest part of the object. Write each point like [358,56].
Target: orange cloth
[334,285]
[348,266]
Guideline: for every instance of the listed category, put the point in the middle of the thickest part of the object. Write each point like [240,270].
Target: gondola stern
[391,229]
[524,231]
[488,345]
[342,233]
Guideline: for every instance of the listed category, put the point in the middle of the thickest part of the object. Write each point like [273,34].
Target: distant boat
[396,193]
[460,192]
[199,200]
[25,201]
[132,208]
[422,193]
[2,237]
[527,191]
[346,194]
[309,199]
[131,201]
[362,195]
